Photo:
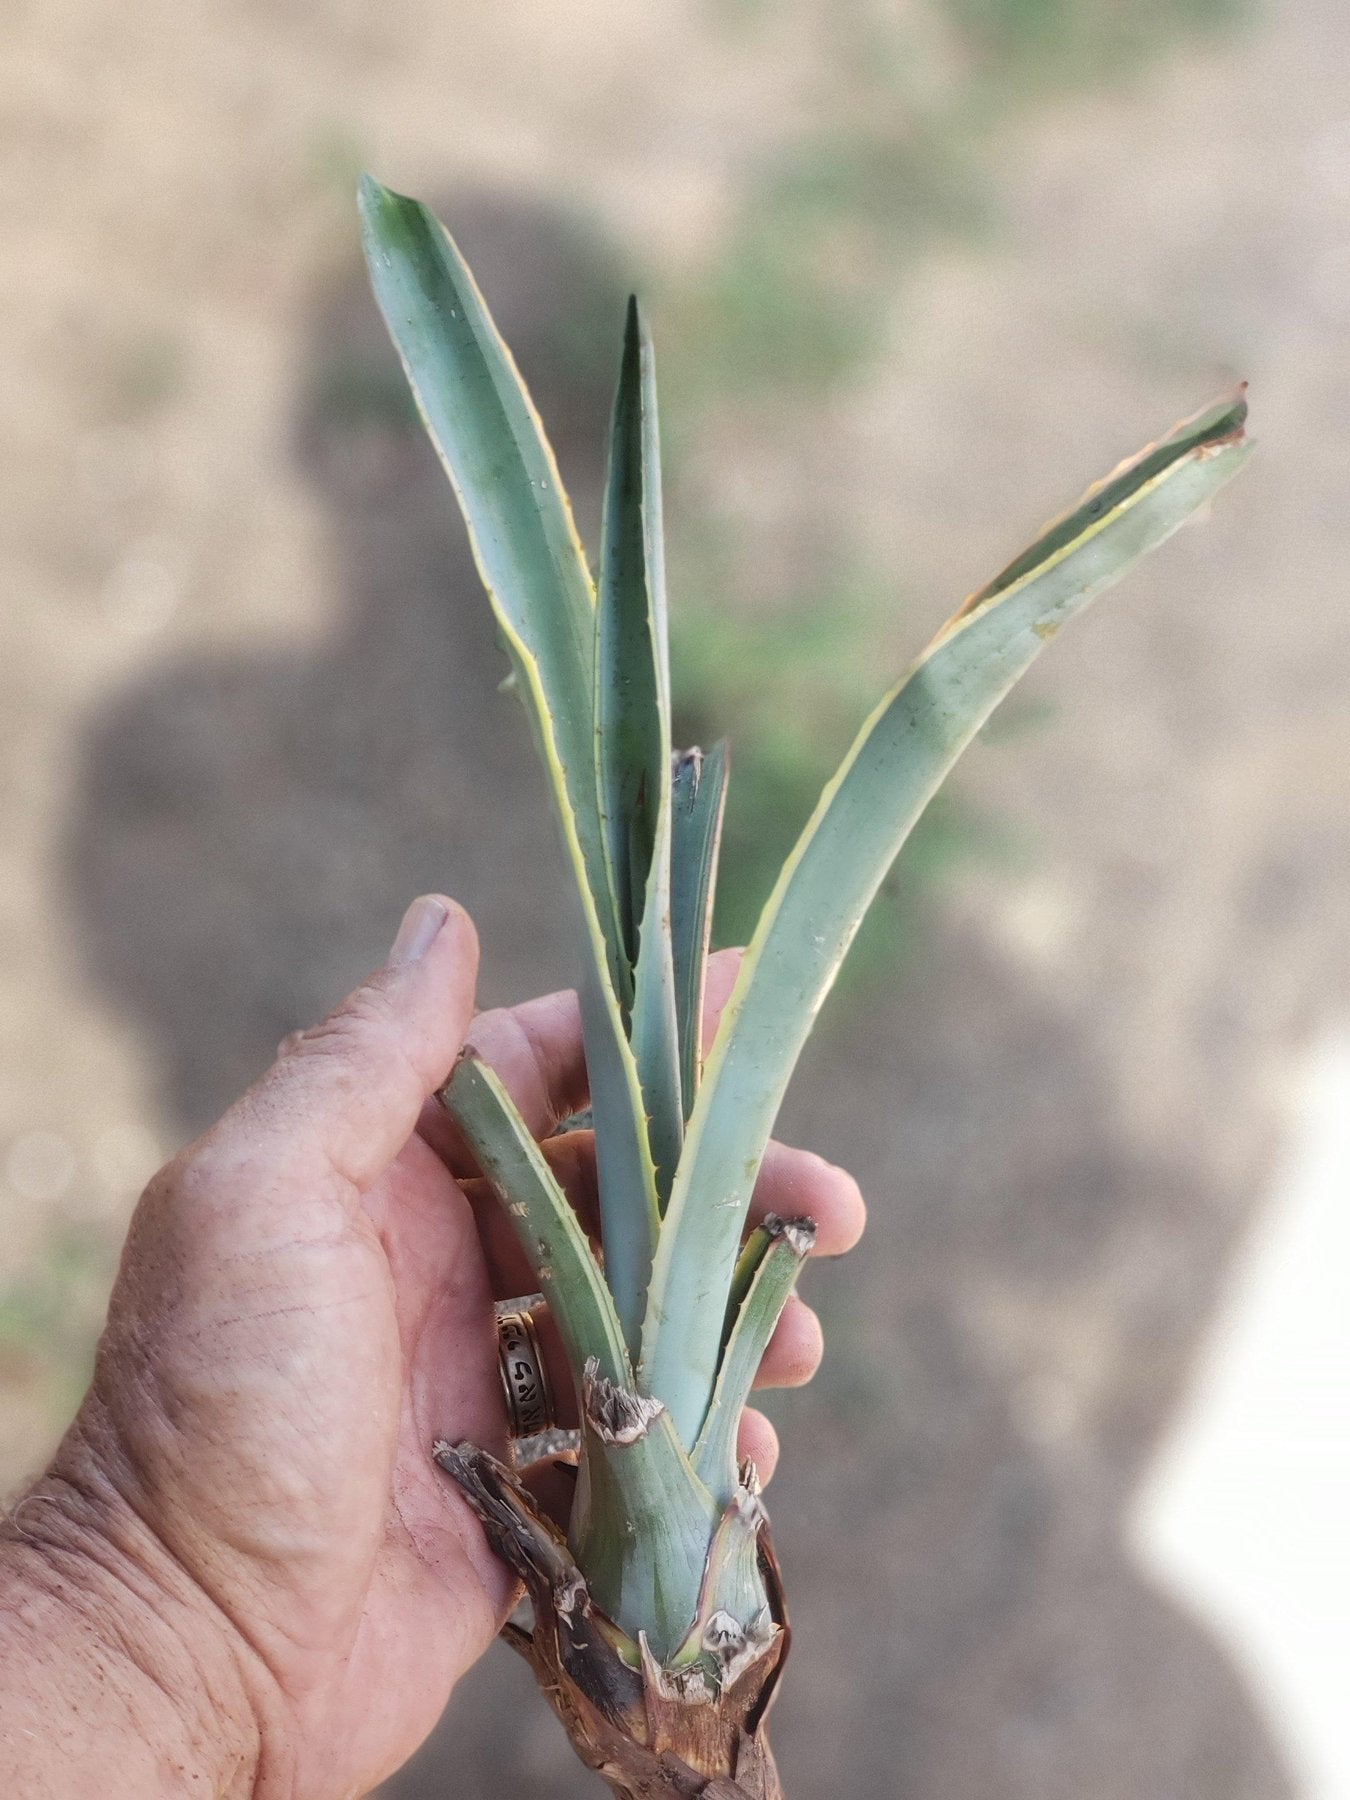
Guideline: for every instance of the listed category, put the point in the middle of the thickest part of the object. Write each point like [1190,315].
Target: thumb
[342,1099]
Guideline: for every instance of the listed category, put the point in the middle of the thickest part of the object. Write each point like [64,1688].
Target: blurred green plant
[50,1316]
[795,675]
[1031,42]
[795,300]
[795,305]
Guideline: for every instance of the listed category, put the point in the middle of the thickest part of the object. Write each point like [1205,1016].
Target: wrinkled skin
[243,1575]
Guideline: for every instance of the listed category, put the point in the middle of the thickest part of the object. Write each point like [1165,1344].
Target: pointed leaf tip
[372,196]
[865,813]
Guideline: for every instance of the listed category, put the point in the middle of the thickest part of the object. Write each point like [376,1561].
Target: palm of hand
[304,1305]
[306,1355]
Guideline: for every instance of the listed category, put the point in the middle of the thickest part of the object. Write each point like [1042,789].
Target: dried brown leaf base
[622,1721]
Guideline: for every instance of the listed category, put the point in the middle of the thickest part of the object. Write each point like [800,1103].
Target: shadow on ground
[249,829]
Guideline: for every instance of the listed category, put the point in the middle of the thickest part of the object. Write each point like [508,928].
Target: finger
[795,1350]
[343,1098]
[757,1442]
[537,1053]
[791,1360]
[798,1184]
[792,1183]
[723,968]
[536,1050]
[572,1159]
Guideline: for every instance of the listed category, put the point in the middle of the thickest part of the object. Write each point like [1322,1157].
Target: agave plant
[659,1628]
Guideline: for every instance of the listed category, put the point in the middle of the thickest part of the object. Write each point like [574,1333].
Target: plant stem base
[623,1722]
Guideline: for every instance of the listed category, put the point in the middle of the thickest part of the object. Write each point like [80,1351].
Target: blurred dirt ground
[249,708]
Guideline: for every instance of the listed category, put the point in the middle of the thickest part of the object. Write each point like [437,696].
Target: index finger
[536,1050]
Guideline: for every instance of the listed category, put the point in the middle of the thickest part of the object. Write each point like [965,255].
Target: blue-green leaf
[625,1175]
[485,428]
[632,715]
[778,1250]
[489,438]
[642,1521]
[698,798]
[896,764]
[545,1223]
[631,682]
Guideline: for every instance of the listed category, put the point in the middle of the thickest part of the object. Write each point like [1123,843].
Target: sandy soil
[242,723]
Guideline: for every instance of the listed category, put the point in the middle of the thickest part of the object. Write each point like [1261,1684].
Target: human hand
[264,1567]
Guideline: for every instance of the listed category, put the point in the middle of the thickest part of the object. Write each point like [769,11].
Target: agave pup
[659,1630]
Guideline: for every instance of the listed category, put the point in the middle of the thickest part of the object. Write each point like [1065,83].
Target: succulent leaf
[545,1221]
[698,800]
[899,759]
[625,1174]
[642,1521]
[632,722]
[780,1247]
[666,1339]
[489,438]
[733,1625]
[631,687]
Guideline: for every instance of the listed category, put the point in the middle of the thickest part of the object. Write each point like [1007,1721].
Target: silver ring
[529,1403]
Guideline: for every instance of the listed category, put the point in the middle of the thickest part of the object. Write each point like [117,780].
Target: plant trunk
[650,1735]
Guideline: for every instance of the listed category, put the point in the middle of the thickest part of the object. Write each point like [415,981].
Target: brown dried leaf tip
[616,1415]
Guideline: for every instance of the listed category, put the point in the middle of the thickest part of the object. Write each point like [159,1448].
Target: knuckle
[168,1185]
[515,1052]
[359,1035]
[191,1175]
[366,1013]
[197,1179]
